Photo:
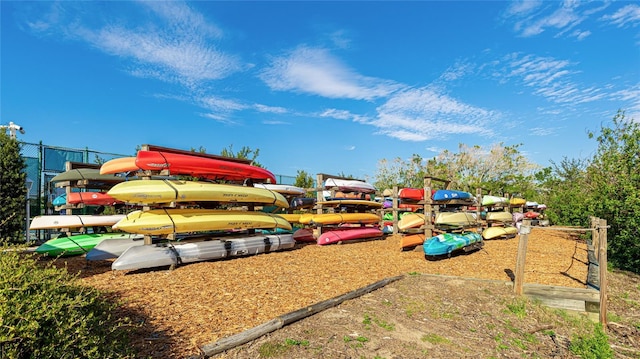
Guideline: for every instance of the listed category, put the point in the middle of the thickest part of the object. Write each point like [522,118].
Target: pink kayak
[346,234]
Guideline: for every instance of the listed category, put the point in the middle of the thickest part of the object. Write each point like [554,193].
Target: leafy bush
[594,346]
[44,313]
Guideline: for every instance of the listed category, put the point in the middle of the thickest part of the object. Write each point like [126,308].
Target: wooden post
[428,224]
[319,196]
[595,236]
[602,264]
[394,208]
[518,282]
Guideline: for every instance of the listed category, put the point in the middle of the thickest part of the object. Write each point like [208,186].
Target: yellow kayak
[166,191]
[167,221]
[338,218]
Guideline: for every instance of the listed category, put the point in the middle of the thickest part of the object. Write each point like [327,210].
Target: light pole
[12,127]
[28,183]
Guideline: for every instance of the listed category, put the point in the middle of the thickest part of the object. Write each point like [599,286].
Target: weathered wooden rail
[593,298]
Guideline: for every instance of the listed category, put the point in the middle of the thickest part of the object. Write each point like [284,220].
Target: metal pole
[28,237]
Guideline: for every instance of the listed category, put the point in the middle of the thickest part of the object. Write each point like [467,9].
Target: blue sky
[329,87]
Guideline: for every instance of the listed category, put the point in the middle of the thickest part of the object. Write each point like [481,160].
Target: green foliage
[304,180]
[46,314]
[518,307]
[245,153]
[567,198]
[615,186]
[12,191]
[593,346]
[499,168]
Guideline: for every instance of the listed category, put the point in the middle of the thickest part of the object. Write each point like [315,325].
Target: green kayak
[77,244]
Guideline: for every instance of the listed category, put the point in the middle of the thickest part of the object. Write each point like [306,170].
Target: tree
[567,194]
[304,180]
[500,169]
[12,191]
[614,187]
[245,153]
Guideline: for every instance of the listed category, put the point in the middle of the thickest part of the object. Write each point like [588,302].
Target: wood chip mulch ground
[200,303]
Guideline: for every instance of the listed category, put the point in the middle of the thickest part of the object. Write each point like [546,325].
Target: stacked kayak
[447,243]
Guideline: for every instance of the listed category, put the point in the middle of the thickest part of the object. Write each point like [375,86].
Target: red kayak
[345,234]
[199,166]
[91,199]
[531,215]
[414,194]
[304,235]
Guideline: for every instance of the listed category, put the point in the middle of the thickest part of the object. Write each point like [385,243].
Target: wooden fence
[591,299]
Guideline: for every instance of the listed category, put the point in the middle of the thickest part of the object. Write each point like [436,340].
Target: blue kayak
[449,194]
[446,243]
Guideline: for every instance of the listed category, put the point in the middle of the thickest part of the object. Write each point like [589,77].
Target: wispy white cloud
[344,115]
[522,7]
[316,71]
[275,122]
[434,149]
[458,70]
[219,118]
[580,35]
[531,18]
[270,109]
[168,40]
[424,113]
[350,148]
[542,131]
[548,77]
[628,15]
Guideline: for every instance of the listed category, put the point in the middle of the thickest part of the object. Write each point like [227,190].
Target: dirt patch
[200,303]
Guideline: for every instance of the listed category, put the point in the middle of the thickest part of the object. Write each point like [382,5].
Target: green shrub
[45,313]
[594,346]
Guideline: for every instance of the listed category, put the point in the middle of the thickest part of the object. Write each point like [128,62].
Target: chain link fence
[44,162]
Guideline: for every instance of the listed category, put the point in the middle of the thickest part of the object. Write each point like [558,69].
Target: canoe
[92,198]
[349,185]
[285,189]
[347,234]
[304,235]
[290,217]
[167,221]
[199,166]
[411,220]
[517,202]
[448,194]
[119,165]
[339,218]
[89,174]
[531,204]
[351,203]
[499,216]
[166,254]
[455,218]
[499,232]
[73,221]
[446,243]
[411,241]
[167,191]
[494,200]
[77,244]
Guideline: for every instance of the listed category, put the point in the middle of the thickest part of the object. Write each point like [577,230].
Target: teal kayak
[77,244]
[446,243]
